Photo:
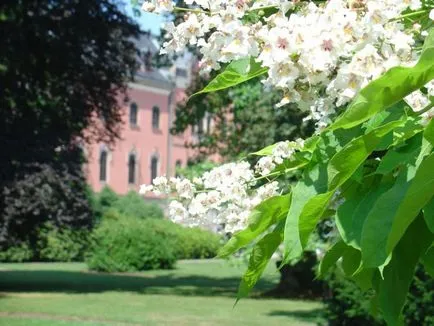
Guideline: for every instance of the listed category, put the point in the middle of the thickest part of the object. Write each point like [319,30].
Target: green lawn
[196,293]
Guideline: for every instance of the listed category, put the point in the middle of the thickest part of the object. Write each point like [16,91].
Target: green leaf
[313,182]
[352,214]
[311,214]
[331,257]
[259,259]
[351,261]
[400,156]
[428,214]
[389,89]
[346,161]
[266,214]
[419,194]
[236,72]
[428,261]
[398,274]
[395,210]
[429,132]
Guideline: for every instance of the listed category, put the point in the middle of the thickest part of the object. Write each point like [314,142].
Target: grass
[196,293]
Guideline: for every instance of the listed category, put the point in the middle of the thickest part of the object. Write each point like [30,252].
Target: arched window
[154,168]
[132,169]
[178,165]
[103,165]
[156,117]
[133,114]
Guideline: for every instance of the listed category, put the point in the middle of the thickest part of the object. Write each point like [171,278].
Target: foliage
[128,245]
[243,119]
[53,244]
[195,169]
[40,193]
[347,304]
[59,78]
[61,244]
[132,204]
[107,202]
[20,252]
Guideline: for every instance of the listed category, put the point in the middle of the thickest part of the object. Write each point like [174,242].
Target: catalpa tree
[363,71]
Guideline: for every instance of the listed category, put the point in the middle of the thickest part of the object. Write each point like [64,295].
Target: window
[154,168]
[155,118]
[133,114]
[178,165]
[132,169]
[103,166]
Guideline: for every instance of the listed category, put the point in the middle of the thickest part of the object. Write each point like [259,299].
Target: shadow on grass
[307,315]
[83,282]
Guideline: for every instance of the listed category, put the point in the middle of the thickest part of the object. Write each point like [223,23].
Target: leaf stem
[411,14]
[196,11]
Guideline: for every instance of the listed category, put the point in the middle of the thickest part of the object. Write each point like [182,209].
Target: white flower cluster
[320,56]
[281,151]
[223,197]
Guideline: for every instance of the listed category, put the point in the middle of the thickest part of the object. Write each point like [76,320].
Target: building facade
[146,148]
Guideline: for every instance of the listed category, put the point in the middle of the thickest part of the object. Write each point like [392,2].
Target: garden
[318,211]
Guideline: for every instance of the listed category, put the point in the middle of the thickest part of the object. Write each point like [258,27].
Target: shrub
[127,245]
[190,243]
[133,205]
[61,244]
[196,243]
[17,253]
[346,304]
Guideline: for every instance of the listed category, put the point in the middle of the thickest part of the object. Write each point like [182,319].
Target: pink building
[146,149]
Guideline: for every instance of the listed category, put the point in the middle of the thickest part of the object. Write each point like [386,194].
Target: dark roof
[153,76]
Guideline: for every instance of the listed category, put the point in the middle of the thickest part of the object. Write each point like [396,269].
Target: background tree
[244,119]
[64,66]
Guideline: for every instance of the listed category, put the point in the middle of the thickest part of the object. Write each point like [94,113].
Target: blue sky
[147,21]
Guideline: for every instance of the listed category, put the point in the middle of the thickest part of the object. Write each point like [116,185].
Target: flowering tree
[363,70]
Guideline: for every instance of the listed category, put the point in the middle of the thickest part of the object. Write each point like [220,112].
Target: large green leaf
[351,261]
[352,214]
[259,259]
[400,156]
[266,214]
[394,211]
[346,161]
[311,214]
[398,274]
[418,195]
[428,213]
[236,72]
[314,181]
[389,89]
[428,260]
[429,132]
[331,257]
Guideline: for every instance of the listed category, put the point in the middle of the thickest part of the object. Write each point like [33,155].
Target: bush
[346,304]
[128,245]
[195,243]
[190,243]
[61,244]
[17,253]
[133,205]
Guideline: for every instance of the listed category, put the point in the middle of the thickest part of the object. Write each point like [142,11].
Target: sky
[147,21]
